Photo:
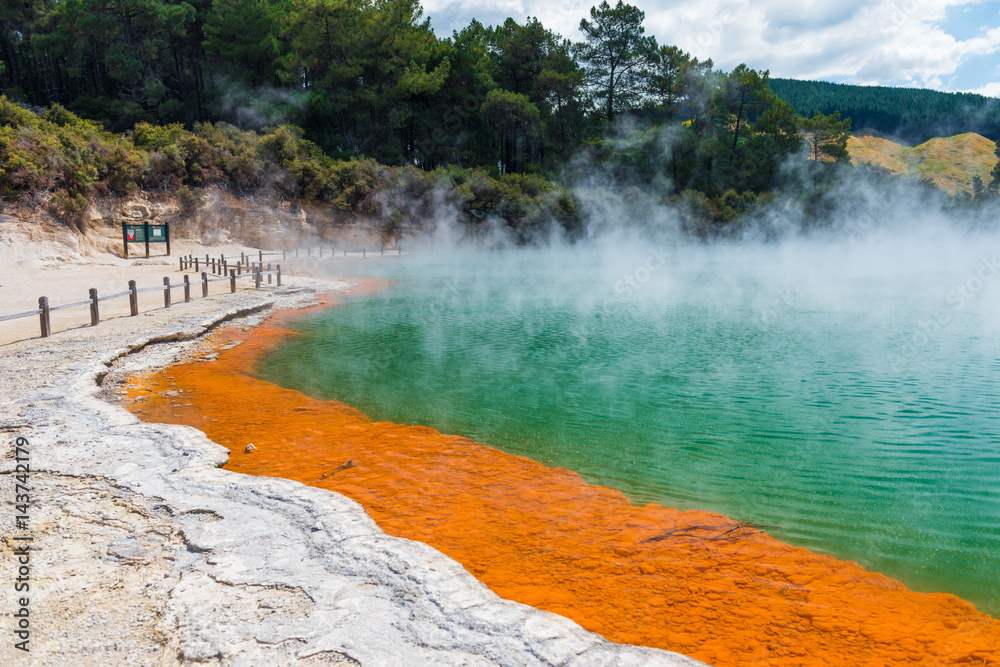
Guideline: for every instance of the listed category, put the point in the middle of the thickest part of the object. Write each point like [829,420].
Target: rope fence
[256,272]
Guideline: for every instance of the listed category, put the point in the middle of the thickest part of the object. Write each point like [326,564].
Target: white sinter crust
[145,552]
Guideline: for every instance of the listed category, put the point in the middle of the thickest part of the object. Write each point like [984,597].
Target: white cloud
[989,90]
[858,41]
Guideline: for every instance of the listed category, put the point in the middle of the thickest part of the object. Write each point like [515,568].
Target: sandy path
[53,264]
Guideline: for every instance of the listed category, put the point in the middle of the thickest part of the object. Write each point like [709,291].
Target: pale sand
[146,553]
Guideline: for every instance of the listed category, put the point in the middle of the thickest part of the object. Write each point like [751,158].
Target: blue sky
[951,45]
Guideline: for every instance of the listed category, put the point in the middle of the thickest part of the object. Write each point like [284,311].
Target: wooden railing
[256,272]
[221,265]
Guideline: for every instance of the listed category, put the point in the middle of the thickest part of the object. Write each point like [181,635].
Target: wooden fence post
[381,250]
[197,268]
[204,284]
[232,282]
[284,254]
[269,273]
[43,317]
[279,275]
[166,292]
[133,299]
[260,255]
[181,260]
[256,278]
[95,314]
[187,289]
[239,268]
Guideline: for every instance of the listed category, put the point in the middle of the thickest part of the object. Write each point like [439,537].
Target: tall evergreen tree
[516,120]
[674,78]
[827,136]
[243,36]
[616,55]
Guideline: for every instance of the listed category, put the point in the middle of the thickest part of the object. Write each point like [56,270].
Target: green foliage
[994,184]
[243,36]
[60,153]
[532,61]
[113,114]
[155,137]
[72,159]
[616,55]
[516,120]
[914,115]
[358,104]
[827,136]
[674,80]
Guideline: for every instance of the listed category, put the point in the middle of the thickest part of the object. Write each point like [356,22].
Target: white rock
[205,564]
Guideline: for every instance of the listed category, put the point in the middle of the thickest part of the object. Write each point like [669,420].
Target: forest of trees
[911,114]
[369,79]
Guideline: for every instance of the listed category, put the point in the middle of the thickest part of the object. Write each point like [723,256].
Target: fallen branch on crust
[726,534]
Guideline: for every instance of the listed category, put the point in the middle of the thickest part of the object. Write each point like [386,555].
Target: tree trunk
[736,133]
[182,78]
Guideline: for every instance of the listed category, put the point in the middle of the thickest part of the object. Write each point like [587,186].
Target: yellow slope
[950,162]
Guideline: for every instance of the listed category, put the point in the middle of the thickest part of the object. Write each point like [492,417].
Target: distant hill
[949,162]
[912,115]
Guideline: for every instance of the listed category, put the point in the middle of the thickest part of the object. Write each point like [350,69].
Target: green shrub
[73,159]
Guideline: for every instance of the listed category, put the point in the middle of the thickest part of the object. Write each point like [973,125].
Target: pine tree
[616,55]
[827,136]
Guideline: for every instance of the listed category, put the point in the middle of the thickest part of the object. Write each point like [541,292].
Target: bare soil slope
[949,162]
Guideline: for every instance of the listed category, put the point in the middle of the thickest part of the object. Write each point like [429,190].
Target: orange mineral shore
[693,582]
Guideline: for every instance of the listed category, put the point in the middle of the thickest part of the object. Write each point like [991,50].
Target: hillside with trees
[351,102]
[912,115]
[73,160]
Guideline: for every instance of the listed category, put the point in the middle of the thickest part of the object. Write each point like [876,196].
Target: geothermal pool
[848,395]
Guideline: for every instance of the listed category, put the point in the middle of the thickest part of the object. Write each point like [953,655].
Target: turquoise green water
[840,394]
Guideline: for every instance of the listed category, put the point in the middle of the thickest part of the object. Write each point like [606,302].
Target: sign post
[145,232]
